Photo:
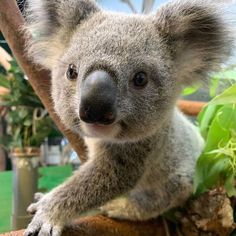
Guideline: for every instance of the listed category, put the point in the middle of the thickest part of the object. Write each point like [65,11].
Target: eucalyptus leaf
[214,83]
[229,74]
[217,164]
[190,90]
[210,172]
[216,134]
[206,117]
[227,97]
[227,117]
[230,185]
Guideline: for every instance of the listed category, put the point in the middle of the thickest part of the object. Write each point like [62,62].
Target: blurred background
[25,123]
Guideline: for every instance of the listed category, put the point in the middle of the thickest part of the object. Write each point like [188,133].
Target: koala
[116,79]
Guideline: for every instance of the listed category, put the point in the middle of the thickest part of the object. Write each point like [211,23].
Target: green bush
[28,122]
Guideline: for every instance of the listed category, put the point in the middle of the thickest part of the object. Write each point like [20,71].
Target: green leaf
[206,117]
[214,83]
[14,67]
[21,103]
[230,185]
[227,97]
[220,128]
[227,117]
[214,165]
[17,133]
[23,113]
[27,122]
[229,74]
[13,117]
[6,97]
[216,134]
[210,171]
[4,82]
[190,90]
[8,104]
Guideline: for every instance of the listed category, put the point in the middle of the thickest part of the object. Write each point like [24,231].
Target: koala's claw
[46,221]
[32,208]
[38,196]
[40,228]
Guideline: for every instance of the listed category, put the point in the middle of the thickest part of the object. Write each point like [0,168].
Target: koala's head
[118,76]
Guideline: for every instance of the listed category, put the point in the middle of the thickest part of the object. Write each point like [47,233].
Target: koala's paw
[47,221]
[32,209]
[42,225]
[119,209]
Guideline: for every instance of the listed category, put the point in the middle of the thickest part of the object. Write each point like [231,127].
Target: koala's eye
[72,73]
[140,80]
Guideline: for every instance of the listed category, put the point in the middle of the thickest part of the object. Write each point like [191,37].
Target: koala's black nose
[98,98]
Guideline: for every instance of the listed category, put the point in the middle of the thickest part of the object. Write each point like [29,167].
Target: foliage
[28,122]
[217,163]
[226,76]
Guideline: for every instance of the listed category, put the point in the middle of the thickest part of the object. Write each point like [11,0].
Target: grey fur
[148,156]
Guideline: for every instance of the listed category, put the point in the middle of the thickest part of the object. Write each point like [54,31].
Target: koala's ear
[51,24]
[196,36]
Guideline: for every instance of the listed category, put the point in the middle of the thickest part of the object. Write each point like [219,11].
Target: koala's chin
[106,132]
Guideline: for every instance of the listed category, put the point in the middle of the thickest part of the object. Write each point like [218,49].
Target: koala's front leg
[97,182]
[147,202]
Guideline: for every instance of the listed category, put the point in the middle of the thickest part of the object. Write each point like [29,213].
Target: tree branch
[191,108]
[100,225]
[11,22]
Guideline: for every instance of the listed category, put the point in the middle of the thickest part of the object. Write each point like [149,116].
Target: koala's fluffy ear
[196,35]
[51,24]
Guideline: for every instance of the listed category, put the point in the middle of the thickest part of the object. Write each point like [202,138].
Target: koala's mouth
[97,130]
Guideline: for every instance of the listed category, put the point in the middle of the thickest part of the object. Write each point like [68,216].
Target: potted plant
[28,124]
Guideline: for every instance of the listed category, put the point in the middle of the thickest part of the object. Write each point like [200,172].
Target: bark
[11,22]
[211,214]
[191,108]
[102,226]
